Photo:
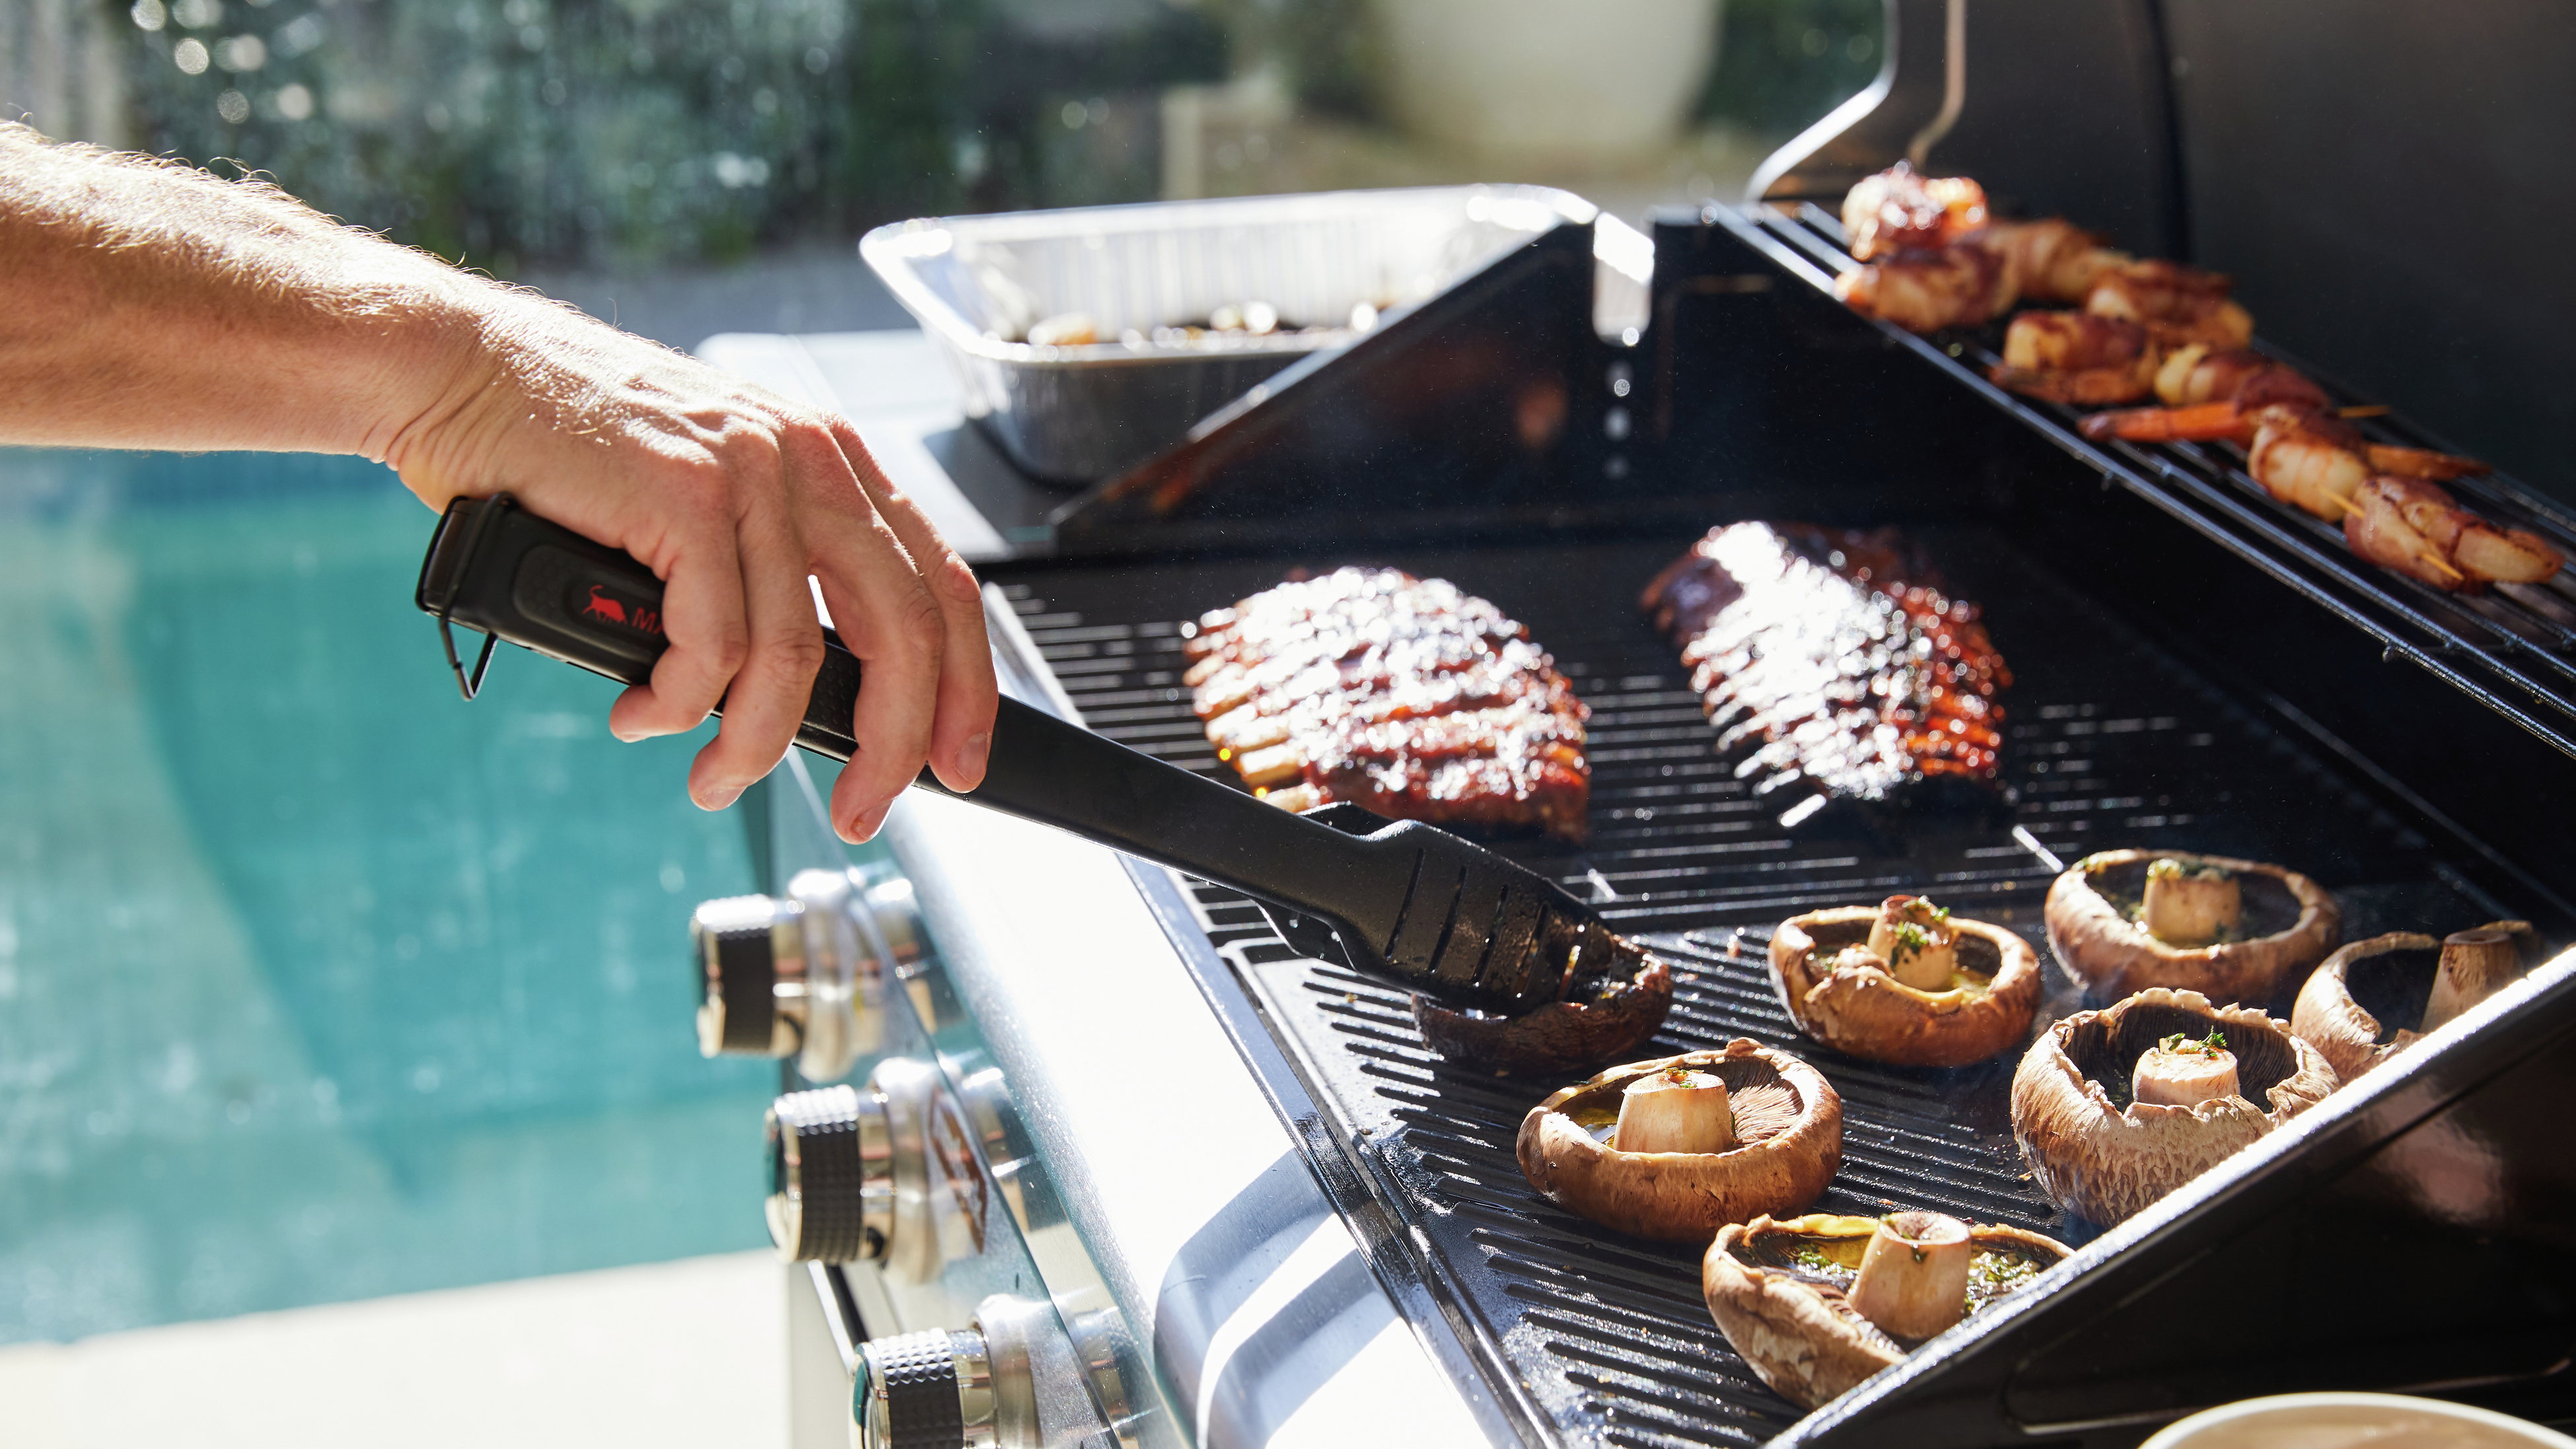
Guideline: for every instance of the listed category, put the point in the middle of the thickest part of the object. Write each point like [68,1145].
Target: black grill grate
[1602,1338]
[2514,646]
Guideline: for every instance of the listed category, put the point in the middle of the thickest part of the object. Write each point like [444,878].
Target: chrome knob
[850,1173]
[831,1175]
[801,974]
[931,1390]
[1016,1379]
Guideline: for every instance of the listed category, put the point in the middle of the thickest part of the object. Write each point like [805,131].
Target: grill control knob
[1015,1380]
[849,1172]
[802,974]
[930,1390]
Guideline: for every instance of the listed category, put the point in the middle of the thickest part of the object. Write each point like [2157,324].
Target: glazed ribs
[1404,696]
[1833,664]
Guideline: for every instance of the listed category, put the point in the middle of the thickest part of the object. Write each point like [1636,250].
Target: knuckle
[919,623]
[729,650]
[954,580]
[800,651]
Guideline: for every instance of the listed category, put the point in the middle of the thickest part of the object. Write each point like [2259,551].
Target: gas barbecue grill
[2198,668]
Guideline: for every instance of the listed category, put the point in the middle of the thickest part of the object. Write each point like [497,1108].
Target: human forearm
[149,305]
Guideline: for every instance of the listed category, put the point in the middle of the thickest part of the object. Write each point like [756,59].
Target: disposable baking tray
[1081,413]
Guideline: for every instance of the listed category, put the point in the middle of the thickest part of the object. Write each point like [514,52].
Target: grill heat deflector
[1598,1337]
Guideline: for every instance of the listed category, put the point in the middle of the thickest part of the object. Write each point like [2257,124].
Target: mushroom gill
[1800,1299]
[2374,998]
[1849,996]
[2104,1154]
[2108,915]
[1787,1140]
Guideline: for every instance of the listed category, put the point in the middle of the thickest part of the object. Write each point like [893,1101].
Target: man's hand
[144,305]
[733,496]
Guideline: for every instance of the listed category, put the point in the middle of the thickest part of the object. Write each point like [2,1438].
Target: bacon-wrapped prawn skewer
[1901,209]
[2051,259]
[2179,305]
[2414,527]
[2076,357]
[2200,373]
[2393,512]
[1926,291]
[2302,455]
[1932,258]
[1979,277]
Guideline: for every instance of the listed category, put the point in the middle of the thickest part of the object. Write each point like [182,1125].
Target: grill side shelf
[2476,649]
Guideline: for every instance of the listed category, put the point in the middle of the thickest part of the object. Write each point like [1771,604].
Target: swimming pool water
[317,982]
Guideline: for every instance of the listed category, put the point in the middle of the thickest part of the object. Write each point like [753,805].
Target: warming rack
[2513,648]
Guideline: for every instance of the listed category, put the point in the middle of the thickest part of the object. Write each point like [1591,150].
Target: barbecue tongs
[1398,900]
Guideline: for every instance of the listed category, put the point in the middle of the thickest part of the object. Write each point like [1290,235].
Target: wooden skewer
[2436,560]
[2364,410]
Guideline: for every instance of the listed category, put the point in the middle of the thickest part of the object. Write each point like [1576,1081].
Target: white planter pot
[1546,82]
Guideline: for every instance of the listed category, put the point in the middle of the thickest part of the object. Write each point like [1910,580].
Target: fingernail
[870,819]
[720,797]
[978,749]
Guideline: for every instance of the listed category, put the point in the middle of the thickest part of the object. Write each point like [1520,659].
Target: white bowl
[1547,82]
[2353,1421]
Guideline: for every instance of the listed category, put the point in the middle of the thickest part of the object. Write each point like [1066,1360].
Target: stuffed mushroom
[2232,930]
[1602,1016]
[1817,1304]
[1905,982]
[1679,1147]
[2115,1108]
[2375,998]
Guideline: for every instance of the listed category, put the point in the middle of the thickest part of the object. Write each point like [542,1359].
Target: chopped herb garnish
[1911,938]
[2208,1046]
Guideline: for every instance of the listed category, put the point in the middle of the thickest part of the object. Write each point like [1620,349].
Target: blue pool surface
[316,982]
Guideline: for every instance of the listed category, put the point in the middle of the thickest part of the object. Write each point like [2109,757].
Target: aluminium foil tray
[1081,413]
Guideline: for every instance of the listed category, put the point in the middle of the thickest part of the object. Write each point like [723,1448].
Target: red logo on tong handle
[638,617]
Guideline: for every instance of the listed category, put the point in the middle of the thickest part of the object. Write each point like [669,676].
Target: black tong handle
[497,568]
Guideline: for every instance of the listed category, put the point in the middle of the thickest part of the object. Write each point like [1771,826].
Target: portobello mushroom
[1599,1018]
[2358,1006]
[2231,930]
[1852,997]
[1790,1297]
[1784,1130]
[2100,1151]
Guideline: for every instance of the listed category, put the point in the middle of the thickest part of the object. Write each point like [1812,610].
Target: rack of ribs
[1831,660]
[1403,696]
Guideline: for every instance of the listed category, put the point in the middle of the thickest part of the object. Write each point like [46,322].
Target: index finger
[961,731]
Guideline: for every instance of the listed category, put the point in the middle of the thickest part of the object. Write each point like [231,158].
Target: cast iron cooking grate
[2513,647]
[1593,1336]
